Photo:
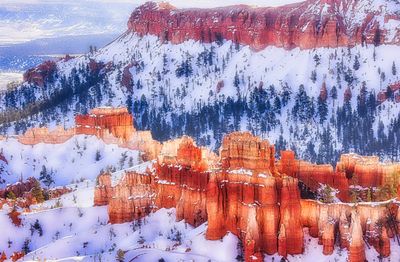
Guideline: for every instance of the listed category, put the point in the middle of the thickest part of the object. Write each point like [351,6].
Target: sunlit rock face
[246,193]
[103,192]
[367,171]
[177,179]
[307,25]
[313,175]
[112,125]
[242,150]
[103,121]
[43,135]
[132,198]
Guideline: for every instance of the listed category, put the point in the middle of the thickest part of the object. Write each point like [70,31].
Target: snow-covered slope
[81,157]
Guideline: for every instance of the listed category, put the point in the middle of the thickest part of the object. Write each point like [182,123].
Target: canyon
[243,190]
[247,192]
[307,25]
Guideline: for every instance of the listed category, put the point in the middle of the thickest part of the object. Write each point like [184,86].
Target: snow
[77,231]
[71,161]
[7,77]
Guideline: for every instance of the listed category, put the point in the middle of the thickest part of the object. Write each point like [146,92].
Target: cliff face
[178,179]
[368,171]
[307,25]
[103,121]
[313,175]
[112,125]
[246,194]
[241,150]
[44,135]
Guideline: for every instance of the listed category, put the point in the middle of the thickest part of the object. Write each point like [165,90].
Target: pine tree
[356,64]
[394,69]
[334,93]
[46,177]
[120,257]
[25,248]
[322,109]
[37,192]
[11,195]
[313,76]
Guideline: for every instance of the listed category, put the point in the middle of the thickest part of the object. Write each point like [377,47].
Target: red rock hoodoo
[245,193]
[307,25]
[104,121]
[178,179]
[367,171]
[112,125]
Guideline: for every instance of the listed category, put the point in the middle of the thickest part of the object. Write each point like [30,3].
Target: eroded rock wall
[307,25]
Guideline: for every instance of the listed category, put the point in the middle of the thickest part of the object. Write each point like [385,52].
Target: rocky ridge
[309,24]
[259,204]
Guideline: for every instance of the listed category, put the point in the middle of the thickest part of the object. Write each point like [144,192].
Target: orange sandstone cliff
[246,193]
[309,24]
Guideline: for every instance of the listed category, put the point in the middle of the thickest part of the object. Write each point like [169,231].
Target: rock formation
[246,193]
[40,74]
[43,135]
[313,175]
[18,189]
[112,125]
[103,192]
[307,25]
[178,179]
[241,150]
[291,230]
[368,171]
[103,121]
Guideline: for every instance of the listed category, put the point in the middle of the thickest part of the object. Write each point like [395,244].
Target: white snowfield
[71,161]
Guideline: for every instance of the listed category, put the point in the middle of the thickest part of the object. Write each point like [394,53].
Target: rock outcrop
[313,175]
[241,150]
[309,24]
[246,193]
[43,135]
[112,125]
[104,121]
[18,189]
[367,171]
[41,74]
[178,179]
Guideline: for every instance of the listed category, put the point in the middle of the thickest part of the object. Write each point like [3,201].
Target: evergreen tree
[334,93]
[356,64]
[394,69]
[46,177]
[313,76]
[25,248]
[37,192]
[120,257]
[322,109]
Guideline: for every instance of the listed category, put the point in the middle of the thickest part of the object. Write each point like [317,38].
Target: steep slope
[332,79]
